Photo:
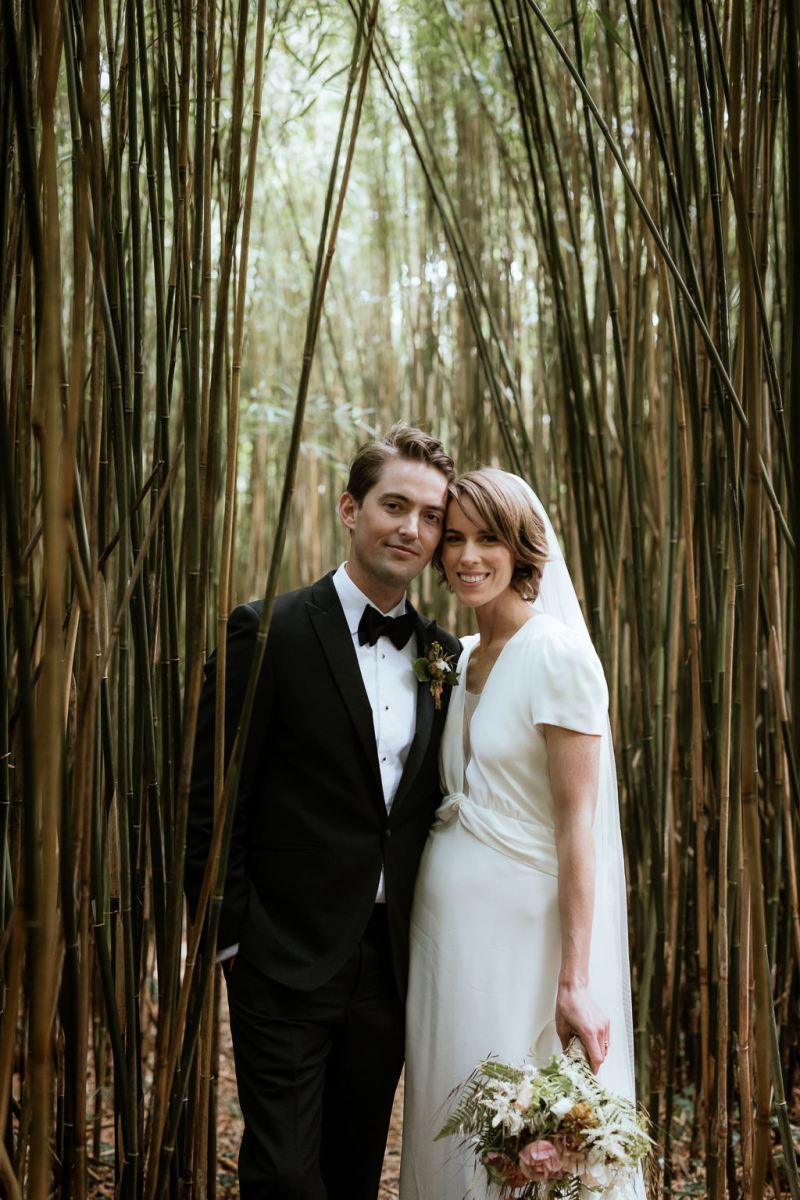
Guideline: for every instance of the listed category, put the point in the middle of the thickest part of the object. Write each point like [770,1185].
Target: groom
[338,791]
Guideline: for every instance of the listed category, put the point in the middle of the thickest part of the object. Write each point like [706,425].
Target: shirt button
[388,833]
[386,707]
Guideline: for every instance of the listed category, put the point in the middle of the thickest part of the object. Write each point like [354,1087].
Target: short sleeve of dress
[568,687]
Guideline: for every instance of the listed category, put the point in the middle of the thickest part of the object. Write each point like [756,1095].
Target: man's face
[395,529]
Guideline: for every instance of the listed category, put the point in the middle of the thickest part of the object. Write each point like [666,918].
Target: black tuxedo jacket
[311,832]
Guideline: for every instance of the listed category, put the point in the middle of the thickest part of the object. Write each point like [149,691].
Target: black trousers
[316,1073]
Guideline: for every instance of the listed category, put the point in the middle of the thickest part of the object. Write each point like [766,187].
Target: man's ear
[348,506]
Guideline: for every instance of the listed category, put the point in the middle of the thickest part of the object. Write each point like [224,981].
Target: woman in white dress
[518,931]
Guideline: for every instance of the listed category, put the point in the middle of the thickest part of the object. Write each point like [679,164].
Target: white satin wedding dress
[485,928]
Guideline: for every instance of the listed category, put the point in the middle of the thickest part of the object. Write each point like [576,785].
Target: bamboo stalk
[44,932]
[743,165]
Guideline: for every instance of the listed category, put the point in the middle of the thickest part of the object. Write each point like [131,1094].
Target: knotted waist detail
[513,836]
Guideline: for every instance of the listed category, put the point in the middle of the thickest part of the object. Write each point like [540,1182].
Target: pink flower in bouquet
[540,1161]
[502,1168]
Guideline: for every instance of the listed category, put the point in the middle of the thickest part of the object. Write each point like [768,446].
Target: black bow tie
[374,625]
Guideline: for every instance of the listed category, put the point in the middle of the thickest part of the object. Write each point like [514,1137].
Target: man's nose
[410,524]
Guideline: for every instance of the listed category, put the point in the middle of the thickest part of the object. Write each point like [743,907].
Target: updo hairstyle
[504,507]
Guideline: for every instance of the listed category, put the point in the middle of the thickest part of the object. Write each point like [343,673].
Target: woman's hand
[577,1013]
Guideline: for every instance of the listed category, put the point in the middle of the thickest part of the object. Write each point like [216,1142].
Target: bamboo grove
[567,239]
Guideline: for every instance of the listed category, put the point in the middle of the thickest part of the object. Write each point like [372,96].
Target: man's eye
[434,518]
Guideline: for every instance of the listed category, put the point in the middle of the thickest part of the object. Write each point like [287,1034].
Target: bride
[518,930]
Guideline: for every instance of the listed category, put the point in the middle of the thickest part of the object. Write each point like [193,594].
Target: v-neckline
[500,654]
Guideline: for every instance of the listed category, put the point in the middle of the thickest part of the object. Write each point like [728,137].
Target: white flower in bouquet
[594,1173]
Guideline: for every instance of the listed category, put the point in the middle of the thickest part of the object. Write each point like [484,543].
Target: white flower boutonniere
[436,669]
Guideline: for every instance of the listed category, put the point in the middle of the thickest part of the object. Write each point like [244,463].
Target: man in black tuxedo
[338,791]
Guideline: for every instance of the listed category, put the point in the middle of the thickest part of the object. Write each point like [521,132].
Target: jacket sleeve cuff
[227,953]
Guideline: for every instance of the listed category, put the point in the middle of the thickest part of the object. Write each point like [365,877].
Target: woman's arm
[572,762]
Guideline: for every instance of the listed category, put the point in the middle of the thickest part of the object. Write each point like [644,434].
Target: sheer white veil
[557,598]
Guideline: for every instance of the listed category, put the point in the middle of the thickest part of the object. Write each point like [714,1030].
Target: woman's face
[478,566]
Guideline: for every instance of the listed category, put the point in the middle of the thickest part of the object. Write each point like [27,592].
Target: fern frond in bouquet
[550,1131]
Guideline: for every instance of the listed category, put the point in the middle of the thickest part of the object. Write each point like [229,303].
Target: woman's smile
[471,580]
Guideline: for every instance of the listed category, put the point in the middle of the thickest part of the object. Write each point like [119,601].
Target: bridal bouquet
[550,1131]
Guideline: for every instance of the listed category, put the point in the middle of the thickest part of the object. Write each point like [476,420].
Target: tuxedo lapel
[424,722]
[326,616]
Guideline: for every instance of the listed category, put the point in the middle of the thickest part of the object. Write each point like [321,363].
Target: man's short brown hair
[401,441]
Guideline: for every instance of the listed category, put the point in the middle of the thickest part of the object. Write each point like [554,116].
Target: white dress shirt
[391,687]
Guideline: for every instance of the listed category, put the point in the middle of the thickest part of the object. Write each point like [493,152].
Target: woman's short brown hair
[504,506]
[401,441]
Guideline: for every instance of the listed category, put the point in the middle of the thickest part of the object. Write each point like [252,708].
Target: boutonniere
[436,669]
